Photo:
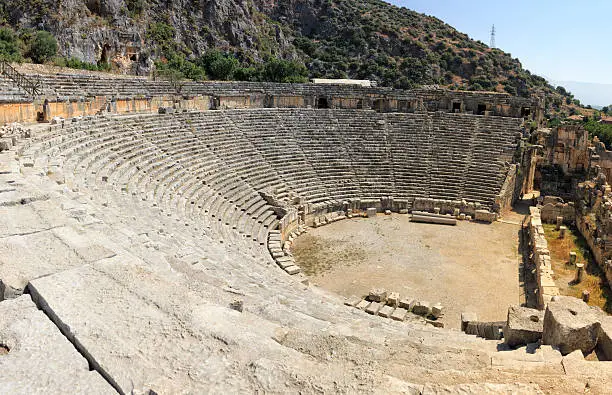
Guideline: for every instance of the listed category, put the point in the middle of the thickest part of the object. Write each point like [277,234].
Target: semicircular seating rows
[210,167]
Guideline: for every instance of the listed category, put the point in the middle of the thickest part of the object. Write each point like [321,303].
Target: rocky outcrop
[111,31]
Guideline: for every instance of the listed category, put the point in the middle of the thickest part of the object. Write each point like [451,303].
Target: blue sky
[561,40]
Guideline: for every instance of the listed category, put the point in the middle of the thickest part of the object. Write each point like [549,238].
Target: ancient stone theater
[236,237]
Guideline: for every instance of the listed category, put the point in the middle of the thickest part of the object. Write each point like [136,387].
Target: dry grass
[565,274]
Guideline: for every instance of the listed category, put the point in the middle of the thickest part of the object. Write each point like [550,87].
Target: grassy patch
[594,279]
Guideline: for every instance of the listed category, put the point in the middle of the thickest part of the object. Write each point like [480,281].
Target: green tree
[219,66]
[9,45]
[43,47]
[245,74]
[280,70]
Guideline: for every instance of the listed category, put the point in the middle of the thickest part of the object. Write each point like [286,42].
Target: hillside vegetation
[276,40]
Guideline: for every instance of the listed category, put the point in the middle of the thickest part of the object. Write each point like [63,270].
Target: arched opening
[322,102]
[525,112]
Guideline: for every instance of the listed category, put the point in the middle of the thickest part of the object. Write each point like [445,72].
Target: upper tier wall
[227,95]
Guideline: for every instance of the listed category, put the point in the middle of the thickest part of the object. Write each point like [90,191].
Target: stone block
[237,305]
[604,341]
[422,308]
[6,144]
[363,304]
[406,304]
[56,120]
[466,318]
[572,258]
[378,295]
[570,324]
[523,326]
[437,324]
[393,299]
[462,217]
[399,314]
[352,301]
[562,231]
[403,211]
[371,212]
[387,212]
[373,308]
[436,310]
[386,311]
[485,216]
[292,270]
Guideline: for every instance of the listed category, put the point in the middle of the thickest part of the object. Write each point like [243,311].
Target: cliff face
[366,39]
[116,31]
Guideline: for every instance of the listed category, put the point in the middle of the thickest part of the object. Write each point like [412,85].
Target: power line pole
[492,44]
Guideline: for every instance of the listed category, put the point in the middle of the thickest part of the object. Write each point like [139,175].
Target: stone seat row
[240,148]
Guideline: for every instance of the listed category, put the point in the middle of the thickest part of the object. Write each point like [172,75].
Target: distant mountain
[597,95]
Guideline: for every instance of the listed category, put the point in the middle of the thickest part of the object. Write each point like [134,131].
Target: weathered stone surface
[466,318]
[33,255]
[378,295]
[393,299]
[363,304]
[138,326]
[436,310]
[523,326]
[485,216]
[40,359]
[407,304]
[352,301]
[386,311]
[529,359]
[570,324]
[605,337]
[399,314]
[293,269]
[442,220]
[422,308]
[435,323]
[480,388]
[371,212]
[373,308]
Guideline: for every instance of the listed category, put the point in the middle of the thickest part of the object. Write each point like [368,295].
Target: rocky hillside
[365,39]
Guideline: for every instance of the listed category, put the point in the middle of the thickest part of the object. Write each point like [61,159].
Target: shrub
[9,45]
[43,47]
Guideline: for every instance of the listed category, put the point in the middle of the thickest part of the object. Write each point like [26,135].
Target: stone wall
[540,256]
[594,222]
[570,148]
[27,112]
[510,190]
[550,212]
